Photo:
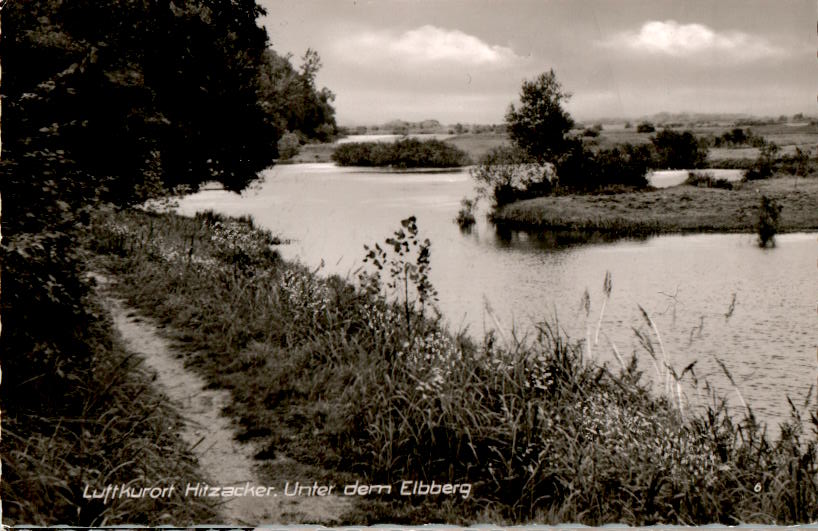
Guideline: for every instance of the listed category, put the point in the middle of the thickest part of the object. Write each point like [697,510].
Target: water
[685,283]
[389,137]
[667,178]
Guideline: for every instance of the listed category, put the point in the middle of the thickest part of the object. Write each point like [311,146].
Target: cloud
[424,45]
[669,38]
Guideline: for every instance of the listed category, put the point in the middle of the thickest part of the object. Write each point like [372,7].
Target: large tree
[292,99]
[540,125]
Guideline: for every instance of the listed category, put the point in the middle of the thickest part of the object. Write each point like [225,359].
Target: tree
[104,101]
[540,125]
[678,150]
[291,100]
[506,174]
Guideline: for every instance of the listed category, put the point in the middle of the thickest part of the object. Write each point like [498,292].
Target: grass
[477,146]
[112,428]
[670,210]
[313,153]
[339,377]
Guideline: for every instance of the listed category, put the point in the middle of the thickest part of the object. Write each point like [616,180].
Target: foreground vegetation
[689,208]
[402,153]
[337,376]
[77,408]
[162,96]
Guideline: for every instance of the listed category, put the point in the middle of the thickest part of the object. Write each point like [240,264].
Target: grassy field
[339,379]
[677,209]
[477,145]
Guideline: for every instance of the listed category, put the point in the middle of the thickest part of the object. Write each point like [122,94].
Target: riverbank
[678,209]
[372,392]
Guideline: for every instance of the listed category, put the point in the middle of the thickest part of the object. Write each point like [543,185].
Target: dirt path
[211,435]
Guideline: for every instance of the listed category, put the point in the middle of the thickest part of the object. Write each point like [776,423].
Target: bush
[507,174]
[769,212]
[798,164]
[706,180]
[583,170]
[404,153]
[678,150]
[465,217]
[288,146]
[764,165]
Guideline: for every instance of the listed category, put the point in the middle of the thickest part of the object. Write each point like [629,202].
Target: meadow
[347,377]
[678,209]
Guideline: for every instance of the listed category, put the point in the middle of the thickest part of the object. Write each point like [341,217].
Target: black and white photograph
[404,262]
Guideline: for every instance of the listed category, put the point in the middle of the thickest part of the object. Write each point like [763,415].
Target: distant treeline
[404,153]
[401,127]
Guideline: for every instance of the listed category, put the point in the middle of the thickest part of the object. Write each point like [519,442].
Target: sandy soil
[210,434]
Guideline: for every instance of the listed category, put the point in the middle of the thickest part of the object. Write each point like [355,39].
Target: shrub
[404,153]
[583,170]
[465,217]
[678,150]
[798,164]
[288,146]
[769,212]
[764,165]
[508,174]
[706,180]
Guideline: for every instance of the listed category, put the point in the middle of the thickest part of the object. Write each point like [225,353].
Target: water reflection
[559,240]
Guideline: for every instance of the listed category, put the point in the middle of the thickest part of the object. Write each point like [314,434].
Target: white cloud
[424,45]
[690,40]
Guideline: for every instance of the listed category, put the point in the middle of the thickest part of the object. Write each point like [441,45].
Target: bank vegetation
[361,378]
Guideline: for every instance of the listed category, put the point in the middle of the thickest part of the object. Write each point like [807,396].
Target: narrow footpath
[209,434]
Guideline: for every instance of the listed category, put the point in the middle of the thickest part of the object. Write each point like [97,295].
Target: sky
[465,60]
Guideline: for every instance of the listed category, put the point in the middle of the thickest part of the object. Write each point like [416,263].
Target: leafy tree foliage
[540,125]
[110,101]
[403,153]
[293,101]
[507,173]
[678,150]
[163,93]
[584,170]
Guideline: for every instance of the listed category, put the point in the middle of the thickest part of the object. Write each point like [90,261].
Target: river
[710,296]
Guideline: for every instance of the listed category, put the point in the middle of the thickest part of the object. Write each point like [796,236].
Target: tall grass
[338,376]
[112,428]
